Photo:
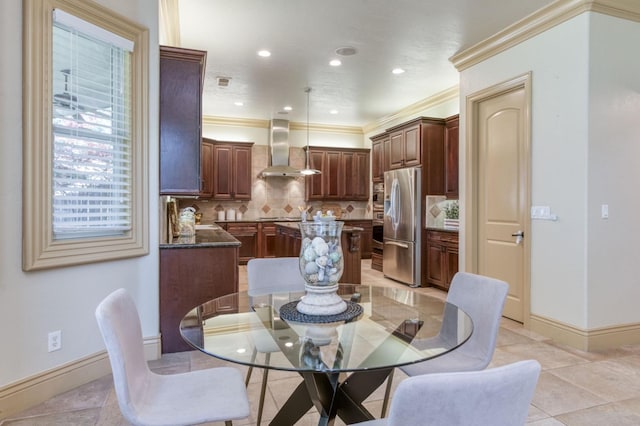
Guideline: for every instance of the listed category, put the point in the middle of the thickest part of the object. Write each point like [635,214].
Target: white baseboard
[31,391]
[586,340]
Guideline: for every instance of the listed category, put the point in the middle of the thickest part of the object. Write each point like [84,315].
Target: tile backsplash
[274,196]
[435,206]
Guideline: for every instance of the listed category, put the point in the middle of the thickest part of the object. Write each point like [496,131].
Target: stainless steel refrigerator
[402,225]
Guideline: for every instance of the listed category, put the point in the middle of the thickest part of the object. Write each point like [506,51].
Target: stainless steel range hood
[279,151]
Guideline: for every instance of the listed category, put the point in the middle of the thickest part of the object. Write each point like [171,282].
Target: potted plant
[452,215]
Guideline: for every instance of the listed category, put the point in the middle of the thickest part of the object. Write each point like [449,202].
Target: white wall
[442,110]
[570,278]
[614,157]
[34,303]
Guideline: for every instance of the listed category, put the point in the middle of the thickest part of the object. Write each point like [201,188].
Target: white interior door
[502,193]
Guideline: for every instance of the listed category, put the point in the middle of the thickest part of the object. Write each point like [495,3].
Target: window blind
[91,174]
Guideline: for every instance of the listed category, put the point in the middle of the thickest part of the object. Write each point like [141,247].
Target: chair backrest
[493,397]
[266,275]
[483,299]
[119,324]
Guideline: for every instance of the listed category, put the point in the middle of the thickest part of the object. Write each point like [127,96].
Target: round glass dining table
[342,360]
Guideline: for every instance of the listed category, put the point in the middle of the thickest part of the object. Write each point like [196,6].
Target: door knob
[519,236]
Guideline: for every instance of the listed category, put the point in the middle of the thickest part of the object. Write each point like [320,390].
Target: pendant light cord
[308,90]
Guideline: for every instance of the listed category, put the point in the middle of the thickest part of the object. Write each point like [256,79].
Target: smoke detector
[223,81]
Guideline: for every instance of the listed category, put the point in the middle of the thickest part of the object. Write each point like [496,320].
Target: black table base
[332,398]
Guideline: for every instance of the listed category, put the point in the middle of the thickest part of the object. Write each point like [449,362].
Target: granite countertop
[345,228]
[281,219]
[204,238]
[443,229]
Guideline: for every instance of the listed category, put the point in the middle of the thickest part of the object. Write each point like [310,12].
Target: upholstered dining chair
[492,397]
[147,398]
[482,298]
[264,276]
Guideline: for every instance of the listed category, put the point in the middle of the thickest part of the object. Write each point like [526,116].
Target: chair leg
[263,389]
[253,358]
[387,391]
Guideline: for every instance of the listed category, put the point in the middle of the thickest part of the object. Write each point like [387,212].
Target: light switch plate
[540,212]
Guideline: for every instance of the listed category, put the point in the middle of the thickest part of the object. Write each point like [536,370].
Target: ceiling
[418,36]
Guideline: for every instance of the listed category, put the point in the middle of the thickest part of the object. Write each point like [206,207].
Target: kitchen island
[289,240]
[193,270]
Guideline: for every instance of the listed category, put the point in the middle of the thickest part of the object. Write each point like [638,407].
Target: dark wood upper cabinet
[230,171]
[420,142]
[452,125]
[344,174]
[206,165]
[315,184]
[181,82]
[355,169]
[377,157]
[396,151]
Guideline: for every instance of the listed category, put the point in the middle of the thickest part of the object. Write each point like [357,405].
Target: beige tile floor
[575,388]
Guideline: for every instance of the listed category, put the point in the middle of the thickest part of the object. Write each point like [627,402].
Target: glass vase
[321,266]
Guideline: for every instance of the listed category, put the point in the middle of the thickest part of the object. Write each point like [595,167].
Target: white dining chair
[147,398]
[498,396]
[265,276]
[482,298]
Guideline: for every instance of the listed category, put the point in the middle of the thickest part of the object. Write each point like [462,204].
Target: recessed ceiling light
[397,71]
[288,108]
[333,111]
[264,53]
[238,103]
[335,62]
[346,51]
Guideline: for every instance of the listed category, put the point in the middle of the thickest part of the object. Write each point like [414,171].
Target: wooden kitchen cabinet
[230,170]
[355,169]
[247,234]
[377,157]
[267,239]
[288,241]
[181,83]
[344,174]
[190,277]
[366,236]
[206,163]
[452,125]
[442,258]
[406,147]
[420,142]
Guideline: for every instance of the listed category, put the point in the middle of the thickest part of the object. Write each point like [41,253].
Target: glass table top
[397,327]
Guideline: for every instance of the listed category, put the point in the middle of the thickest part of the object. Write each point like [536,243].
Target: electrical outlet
[55,340]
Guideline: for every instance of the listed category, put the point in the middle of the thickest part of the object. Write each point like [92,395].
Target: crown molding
[235,122]
[265,124]
[414,109]
[539,22]
[326,128]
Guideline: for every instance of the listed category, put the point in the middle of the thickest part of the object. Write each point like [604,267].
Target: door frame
[471,206]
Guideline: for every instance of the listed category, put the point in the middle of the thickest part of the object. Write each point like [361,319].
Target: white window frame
[40,249]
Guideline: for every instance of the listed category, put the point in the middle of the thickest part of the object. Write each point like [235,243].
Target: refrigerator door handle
[395,204]
[394,243]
